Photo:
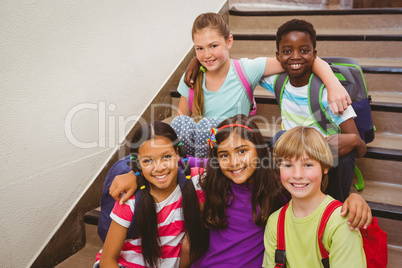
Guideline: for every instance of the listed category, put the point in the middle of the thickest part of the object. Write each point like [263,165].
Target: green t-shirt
[345,247]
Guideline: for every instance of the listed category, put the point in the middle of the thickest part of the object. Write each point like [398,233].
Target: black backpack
[350,74]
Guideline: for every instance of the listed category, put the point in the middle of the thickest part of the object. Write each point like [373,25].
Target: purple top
[241,243]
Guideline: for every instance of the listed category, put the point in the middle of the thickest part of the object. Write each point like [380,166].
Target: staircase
[374,38]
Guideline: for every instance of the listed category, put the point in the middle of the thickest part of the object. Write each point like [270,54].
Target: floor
[86,257]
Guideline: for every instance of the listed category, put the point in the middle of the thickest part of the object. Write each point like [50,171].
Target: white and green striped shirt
[295,109]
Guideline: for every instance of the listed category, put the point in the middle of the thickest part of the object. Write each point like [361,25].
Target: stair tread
[385,193]
[325,32]
[364,62]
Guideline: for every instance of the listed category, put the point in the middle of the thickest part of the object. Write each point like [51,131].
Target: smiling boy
[304,158]
[296,43]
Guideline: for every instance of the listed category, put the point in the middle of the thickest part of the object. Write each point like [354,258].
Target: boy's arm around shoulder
[345,247]
[338,97]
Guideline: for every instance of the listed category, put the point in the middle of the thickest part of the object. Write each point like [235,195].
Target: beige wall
[69,72]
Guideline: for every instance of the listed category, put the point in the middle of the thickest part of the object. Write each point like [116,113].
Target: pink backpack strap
[190,98]
[246,85]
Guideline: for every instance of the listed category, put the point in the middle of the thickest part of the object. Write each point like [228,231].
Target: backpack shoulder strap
[317,111]
[279,85]
[190,98]
[241,75]
[324,219]
[243,79]
[280,252]
[181,178]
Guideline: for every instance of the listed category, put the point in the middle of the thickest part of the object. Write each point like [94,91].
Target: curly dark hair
[298,26]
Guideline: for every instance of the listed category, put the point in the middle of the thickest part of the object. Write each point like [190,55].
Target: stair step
[387,50]
[299,11]
[379,192]
[85,257]
[383,82]
[330,36]
[338,22]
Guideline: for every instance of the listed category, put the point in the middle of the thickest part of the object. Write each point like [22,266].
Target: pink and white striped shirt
[170,228]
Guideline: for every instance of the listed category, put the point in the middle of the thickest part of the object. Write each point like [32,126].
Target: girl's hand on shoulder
[338,98]
[123,187]
[359,212]
[191,72]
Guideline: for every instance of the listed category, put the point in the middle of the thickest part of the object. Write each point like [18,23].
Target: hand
[338,99]
[359,212]
[123,187]
[191,72]
[342,144]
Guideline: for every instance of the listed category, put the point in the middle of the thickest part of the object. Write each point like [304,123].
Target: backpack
[350,74]
[374,240]
[244,81]
[107,202]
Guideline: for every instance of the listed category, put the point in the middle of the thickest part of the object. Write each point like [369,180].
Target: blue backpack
[107,202]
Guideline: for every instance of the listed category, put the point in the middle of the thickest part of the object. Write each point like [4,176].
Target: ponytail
[198,102]
[145,216]
[145,220]
[198,235]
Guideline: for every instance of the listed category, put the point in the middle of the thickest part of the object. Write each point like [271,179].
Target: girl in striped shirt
[150,233]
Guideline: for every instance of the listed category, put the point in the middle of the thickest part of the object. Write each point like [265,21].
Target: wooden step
[85,257]
[383,82]
[339,22]
[387,50]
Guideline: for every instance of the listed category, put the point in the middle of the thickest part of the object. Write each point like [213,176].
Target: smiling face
[158,162]
[296,55]
[302,177]
[237,158]
[212,49]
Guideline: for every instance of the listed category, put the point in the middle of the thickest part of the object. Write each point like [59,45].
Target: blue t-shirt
[230,99]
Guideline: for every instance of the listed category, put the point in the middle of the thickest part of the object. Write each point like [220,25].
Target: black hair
[145,218]
[296,25]
[267,190]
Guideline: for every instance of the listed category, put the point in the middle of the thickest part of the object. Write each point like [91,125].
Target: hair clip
[137,173]
[184,159]
[132,157]
[180,144]
[142,187]
[202,68]
[188,177]
[212,139]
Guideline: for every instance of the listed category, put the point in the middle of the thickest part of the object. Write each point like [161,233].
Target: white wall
[67,61]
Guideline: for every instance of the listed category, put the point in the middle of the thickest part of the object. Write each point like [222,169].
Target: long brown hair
[267,190]
[215,22]
[145,217]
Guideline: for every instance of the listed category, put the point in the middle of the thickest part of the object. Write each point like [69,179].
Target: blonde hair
[216,22]
[299,140]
